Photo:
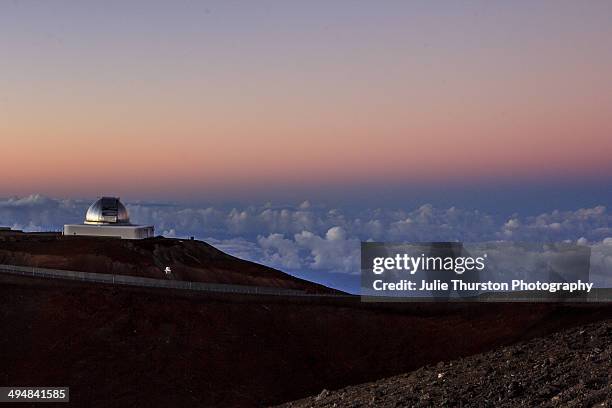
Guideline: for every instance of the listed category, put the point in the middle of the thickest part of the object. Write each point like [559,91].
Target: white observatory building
[108,217]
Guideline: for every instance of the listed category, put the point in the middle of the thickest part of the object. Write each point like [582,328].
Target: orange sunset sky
[224,97]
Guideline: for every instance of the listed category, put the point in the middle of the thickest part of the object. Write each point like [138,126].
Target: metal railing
[148,282]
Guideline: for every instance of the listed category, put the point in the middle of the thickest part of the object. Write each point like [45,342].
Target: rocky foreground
[572,368]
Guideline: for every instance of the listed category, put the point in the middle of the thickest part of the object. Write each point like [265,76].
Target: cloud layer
[317,237]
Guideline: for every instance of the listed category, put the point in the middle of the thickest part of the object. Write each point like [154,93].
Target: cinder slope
[189,260]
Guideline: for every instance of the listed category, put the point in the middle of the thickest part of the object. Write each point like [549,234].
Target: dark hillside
[125,346]
[190,260]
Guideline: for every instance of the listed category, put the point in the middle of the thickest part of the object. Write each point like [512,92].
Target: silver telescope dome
[107,210]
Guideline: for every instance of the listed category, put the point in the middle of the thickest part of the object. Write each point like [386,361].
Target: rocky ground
[572,368]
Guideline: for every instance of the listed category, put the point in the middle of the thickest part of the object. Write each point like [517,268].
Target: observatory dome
[107,210]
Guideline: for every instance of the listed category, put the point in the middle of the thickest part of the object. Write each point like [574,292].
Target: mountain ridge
[188,260]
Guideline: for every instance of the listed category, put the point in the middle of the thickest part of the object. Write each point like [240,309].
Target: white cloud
[512,223]
[334,252]
[335,234]
[39,213]
[279,251]
[310,235]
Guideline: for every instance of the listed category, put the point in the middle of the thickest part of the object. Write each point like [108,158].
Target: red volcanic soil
[127,346]
[190,260]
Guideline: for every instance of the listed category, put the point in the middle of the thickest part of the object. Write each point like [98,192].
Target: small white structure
[108,217]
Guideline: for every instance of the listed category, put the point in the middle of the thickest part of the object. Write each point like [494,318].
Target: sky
[264,100]
[222,119]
